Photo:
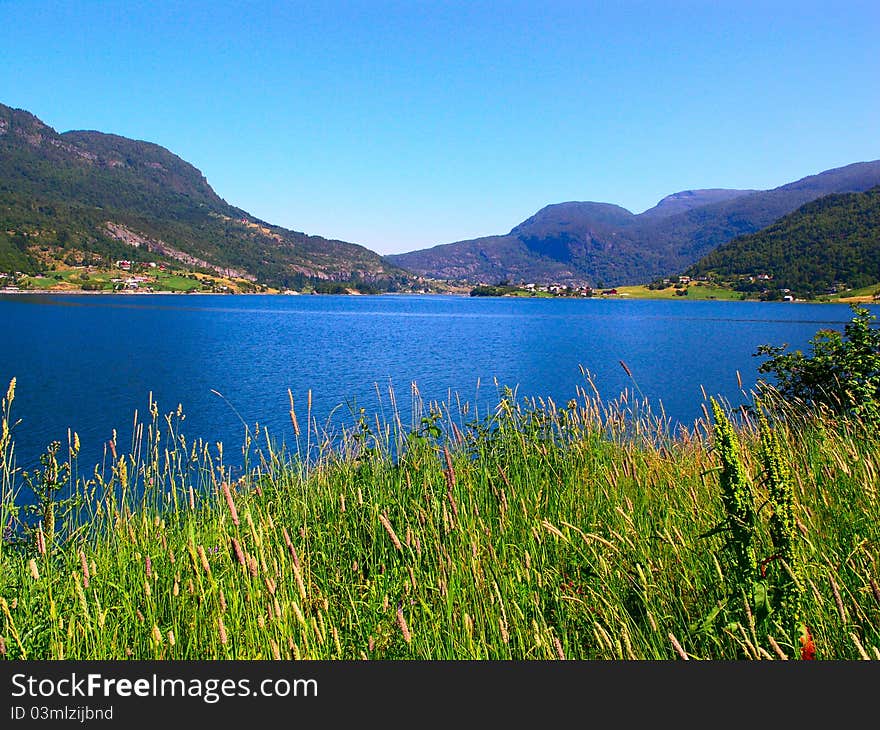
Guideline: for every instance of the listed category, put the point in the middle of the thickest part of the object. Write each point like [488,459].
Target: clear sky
[400,125]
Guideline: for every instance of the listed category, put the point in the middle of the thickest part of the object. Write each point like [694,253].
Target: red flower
[808,648]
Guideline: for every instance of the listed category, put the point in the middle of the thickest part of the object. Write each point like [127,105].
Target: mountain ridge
[569,243]
[687,199]
[87,195]
[826,245]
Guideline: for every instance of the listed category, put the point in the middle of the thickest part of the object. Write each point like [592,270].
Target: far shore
[133,293]
[129,293]
[619,298]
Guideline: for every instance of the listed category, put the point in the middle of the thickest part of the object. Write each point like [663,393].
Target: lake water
[89,362]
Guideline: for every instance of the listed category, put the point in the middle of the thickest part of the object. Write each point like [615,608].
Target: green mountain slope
[683,239]
[595,242]
[491,259]
[828,244]
[97,196]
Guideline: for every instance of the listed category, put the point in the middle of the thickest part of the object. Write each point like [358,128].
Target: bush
[842,373]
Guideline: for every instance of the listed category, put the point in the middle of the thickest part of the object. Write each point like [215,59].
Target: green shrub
[841,373]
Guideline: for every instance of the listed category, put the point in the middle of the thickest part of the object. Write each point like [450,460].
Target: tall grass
[584,530]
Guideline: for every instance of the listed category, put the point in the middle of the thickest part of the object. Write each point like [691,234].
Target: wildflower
[808,648]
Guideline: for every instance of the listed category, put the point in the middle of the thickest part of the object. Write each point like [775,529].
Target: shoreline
[80,292]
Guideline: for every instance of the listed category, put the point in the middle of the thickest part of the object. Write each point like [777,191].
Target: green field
[80,278]
[862,293]
[694,291]
[582,530]
[702,290]
[177,282]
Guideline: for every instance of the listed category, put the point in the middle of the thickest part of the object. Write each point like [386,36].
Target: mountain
[85,195]
[599,243]
[688,200]
[685,238]
[828,244]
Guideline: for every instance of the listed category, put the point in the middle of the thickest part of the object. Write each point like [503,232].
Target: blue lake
[89,362]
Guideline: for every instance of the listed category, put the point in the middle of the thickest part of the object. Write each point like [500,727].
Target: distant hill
[85,195]
[599,243]
[828,244]
[688,200]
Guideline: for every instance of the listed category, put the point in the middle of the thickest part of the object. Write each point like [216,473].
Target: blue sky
[400,125]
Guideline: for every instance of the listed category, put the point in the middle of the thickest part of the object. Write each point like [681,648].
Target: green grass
[694,291]
[101,279]
[36,282]
[167,281]
[710,291]
[865,291]
[534,531]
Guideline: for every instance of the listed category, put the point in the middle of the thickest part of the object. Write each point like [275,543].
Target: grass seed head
[383,518]
[293,420]
[239,554]
[404,629]
[84,566]
[230,504]
[678,647]
[558,645]
[204,559]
